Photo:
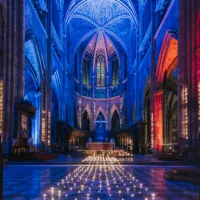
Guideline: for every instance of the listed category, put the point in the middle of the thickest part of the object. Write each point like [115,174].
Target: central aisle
[106,181]
[92,182]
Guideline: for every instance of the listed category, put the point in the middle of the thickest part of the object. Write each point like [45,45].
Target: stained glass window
[86,69]
[115,70]
[100,71]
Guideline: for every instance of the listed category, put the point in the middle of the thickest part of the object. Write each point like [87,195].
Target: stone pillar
[93,104]
[20,51]
[93,85]
[1,110]
[197,52]
[47,93]
[13,65]
[79,113]
[165,127]
[1,171]
[188,79]
[158,120]
[7,81]
[153,70]
[107,104]
[198,65]
[121,113]
[37,121]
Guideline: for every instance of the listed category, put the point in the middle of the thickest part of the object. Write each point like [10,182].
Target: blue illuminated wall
[43,47]
[121,28]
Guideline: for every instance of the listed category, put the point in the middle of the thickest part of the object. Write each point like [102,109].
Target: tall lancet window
[86,69]
[115,70]
[100,71]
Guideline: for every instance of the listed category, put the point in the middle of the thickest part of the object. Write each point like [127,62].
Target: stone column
[107,105]
[197,52]
[7,80]
[14,66]
[1,171]
[153,70]
[48,93]
[198,86]
[158,120]
[21,42]
[121,114]
[93,103]
[188,79]
[79,113]
[165,118]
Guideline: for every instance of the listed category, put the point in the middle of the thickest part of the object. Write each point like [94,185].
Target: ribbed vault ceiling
[117,19]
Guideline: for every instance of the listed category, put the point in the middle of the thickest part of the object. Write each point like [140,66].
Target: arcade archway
[85,122]
[115,124]
[32,84]
[164,97]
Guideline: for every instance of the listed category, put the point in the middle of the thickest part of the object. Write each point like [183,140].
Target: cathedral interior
[99,84]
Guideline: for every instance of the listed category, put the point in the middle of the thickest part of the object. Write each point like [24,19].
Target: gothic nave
[93,92]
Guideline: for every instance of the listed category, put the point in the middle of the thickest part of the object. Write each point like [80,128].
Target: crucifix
[100,120]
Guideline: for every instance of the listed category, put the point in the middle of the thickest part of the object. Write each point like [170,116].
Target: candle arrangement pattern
[101,181]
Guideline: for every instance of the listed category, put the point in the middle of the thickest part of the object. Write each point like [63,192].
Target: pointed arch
[97,51]
[34,61]
[86,63]
[115,69]
[87,108]
[34,70]
[74,6]
[100,109]
[115,123]
[112,110]
[168,57]
[100,71]
[86,121]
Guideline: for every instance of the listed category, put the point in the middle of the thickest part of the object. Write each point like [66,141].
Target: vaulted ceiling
[116,20]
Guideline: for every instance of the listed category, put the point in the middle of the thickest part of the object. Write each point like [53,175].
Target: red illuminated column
[197,52]
[157,115]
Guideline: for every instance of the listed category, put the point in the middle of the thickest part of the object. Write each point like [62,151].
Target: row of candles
[102,159]
[98,182]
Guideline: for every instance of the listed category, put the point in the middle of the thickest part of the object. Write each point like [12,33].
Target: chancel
[95,89]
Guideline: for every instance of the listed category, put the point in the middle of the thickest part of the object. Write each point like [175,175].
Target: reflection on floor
[101,159]
[99,182]
[94,182]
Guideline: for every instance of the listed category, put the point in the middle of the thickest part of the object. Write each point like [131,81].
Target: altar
[100,145]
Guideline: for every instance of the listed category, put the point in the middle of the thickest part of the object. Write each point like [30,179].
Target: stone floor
[135,160]
[94,182]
